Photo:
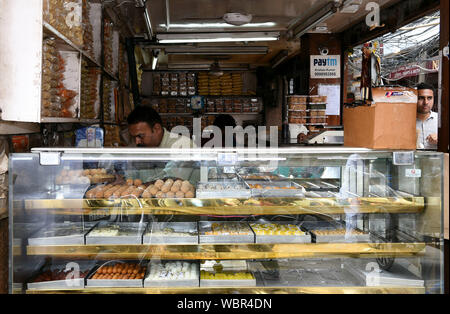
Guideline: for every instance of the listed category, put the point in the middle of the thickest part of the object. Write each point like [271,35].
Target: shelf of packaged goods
[51,31]
[230,251]
[238,290]
[226,206]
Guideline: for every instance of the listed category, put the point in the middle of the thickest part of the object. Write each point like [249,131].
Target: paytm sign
[324,67]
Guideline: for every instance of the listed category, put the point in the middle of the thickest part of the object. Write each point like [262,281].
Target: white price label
[413,173]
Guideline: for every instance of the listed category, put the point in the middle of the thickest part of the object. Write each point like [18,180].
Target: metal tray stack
[275,189]
[127,233]
[124,283]
[275,238]
[61,234]
[171,233]
[179,282]
[206,226]
[222,189]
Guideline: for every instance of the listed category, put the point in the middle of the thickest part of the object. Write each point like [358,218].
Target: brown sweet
[179,194]
[189,194]
[175,188]
[165,188]
[159,183]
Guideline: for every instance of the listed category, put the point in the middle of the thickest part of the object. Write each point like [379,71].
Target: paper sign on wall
[325,67]
[333,93]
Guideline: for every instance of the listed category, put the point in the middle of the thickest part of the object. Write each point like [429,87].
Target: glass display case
[300,220]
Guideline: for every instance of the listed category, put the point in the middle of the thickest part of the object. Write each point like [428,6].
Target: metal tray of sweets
[222,189]
[127,233]
[171,233]
[311,226]
[172,283]
[275,238]
[276,189]
[205,226]
[69,282]
[350,238]
[61,234]
[124,283]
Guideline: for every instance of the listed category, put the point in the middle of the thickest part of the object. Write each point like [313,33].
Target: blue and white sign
[325,67]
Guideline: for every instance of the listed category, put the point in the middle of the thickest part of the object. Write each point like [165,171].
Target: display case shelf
[243,290]
[230,251]
[224,206]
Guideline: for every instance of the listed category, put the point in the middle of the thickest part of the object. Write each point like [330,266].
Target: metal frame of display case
[377,248]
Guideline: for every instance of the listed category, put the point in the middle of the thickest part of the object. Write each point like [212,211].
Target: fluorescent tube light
[217,25]
[221,50]
[217,37]
[299,29]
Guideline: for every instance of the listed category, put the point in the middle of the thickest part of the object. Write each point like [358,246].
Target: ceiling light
[237,19]
[217,37]
[299,29]
[148,23]
[217,50]
[217,25]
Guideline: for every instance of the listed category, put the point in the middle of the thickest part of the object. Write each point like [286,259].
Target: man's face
[426,101]
[145,136]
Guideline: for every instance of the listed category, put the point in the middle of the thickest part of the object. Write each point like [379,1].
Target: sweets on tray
[173,271]
[120,271]
[59,274]
[276,229]
[208,275]
[337,232]
[229,228]
[117,229]
[169,189]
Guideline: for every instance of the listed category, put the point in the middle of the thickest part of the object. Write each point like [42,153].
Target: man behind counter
[146,130]
[427,120]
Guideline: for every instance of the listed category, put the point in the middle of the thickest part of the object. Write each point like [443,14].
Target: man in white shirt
[427,120]
[146,130]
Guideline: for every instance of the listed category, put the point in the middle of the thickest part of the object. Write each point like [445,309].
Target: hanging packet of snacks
[50,79]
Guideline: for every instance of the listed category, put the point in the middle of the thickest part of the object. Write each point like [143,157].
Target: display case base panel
[226,239]
[69,240]
[170,240]
[342,239]
[57,284]
[121,240]
[283,239]
[227,283]
[136,283]
[171,283]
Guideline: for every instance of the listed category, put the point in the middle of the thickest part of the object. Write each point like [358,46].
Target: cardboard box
[389,124]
